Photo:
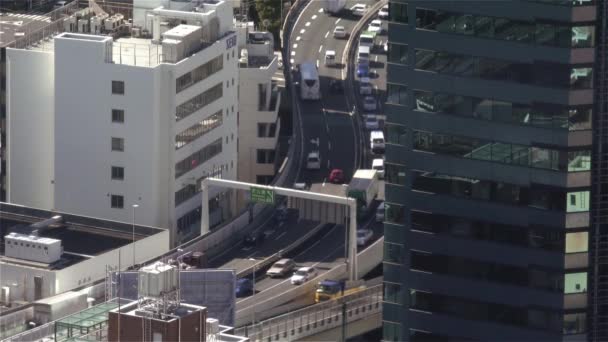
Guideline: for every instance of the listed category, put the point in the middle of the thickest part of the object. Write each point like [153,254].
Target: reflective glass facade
[491,123]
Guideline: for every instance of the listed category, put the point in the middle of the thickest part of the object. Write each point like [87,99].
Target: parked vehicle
[364,236]
[371,123]
[333,7]
[377,143]
[383,13]
[359,10]
[303,274]
[378,165]
[364,188]
[340,32]
[313,161]
[336,176]
[369,103]
[281,268]
[244,287]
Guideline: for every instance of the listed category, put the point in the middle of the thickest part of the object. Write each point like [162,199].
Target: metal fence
[317,318]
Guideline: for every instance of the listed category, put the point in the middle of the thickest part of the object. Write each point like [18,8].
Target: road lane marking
[298,38]
[302,31]
[293,53]
[327,34]
[280,236]
[307,24]
[337,21]
[320,10]
[320,48]
[295,46]
[329,145]
[314,16]
[376,59]
[291,61]
[317,64]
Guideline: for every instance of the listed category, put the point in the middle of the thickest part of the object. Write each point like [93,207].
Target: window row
[198,158]
[267,130]
[538,33]
[199,101]
[566,323]
[535,196]
[536,114]
[532,277]
[397,53]
[473,148]
[265,156]
[189,220]
[546,74]
[532,237]
[198,129]
[398,12]
[199,74]
[185,194]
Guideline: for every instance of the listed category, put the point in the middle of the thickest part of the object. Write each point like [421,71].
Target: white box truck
[333,7]
[364,188]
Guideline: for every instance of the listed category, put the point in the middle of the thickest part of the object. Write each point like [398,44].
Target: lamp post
[134,206]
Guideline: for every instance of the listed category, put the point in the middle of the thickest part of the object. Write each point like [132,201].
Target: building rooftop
[82,237]
[15,25]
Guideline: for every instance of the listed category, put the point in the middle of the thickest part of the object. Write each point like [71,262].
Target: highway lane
[329,131]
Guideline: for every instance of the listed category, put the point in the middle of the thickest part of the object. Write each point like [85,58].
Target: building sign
[260,195]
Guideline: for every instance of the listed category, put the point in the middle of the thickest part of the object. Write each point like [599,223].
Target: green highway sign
[260,195]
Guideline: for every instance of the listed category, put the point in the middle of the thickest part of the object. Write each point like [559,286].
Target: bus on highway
[310,87]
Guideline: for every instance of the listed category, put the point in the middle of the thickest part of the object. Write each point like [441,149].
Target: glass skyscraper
[496,171]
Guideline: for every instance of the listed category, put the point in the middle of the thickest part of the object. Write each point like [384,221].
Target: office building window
[398,12]
[396,134]
[118,172]
[267,130]
[394,213]
[577,242]
[199,74]
[391,332]
[118,144]
[393,253]
[265,180]
[397,94]
[265,156]
[198,158]
[199,101]
[575,323]
[118,115]
[198,129]
[397,53]
[117,201]
[393,293]
[395,174]
[118,87]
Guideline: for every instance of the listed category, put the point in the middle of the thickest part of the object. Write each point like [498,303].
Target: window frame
[118,87]
[117,201]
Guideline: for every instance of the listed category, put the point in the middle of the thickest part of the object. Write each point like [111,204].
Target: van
[330,57]
[376,141]
[363,54]
[313,161]
[365,86]
[378,165]
[367,39]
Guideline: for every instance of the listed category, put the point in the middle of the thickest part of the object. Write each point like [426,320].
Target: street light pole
[134,206]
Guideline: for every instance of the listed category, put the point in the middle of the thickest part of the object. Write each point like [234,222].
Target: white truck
[364,188]
[333,7]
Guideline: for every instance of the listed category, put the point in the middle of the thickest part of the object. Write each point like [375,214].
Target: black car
[336,87]
[253,239]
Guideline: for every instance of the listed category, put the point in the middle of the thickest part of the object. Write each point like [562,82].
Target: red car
[336,176]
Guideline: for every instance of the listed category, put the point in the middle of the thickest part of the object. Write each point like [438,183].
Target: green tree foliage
[269,16]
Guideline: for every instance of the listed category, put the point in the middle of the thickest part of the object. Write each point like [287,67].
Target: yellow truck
[333,289]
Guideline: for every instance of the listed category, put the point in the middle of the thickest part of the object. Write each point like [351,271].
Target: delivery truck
[364,188]
[333,7]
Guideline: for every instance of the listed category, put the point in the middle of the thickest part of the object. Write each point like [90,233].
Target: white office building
[259,101]
[98,125]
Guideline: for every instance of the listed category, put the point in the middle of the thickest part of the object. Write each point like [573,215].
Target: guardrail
[316,318]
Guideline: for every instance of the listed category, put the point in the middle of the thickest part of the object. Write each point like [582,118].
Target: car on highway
[313,161]
[363,70]
[281,268]
[359,10]
[380,213]
[340,32]
[330,57]
[370,103]
[383,13]
[336,176]
[364,236]
[243,288]
[336,87]
[375,26]
[254,239]
[378,165]
[365,86]
[385,46]
[376,142]
[303,274]
[371,123]
[363,54]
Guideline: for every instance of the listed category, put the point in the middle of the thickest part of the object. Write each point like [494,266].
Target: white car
[340,32]
[371,123]
[303,274]
[369,103]
[375,26]
[359,10]
[365,86]
[363,236]
[330,57]
[313,161]
[383,14]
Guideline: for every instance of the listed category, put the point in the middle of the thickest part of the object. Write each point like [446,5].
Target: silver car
[369,103]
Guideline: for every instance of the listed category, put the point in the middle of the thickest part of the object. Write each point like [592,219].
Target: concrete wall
[30,122]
